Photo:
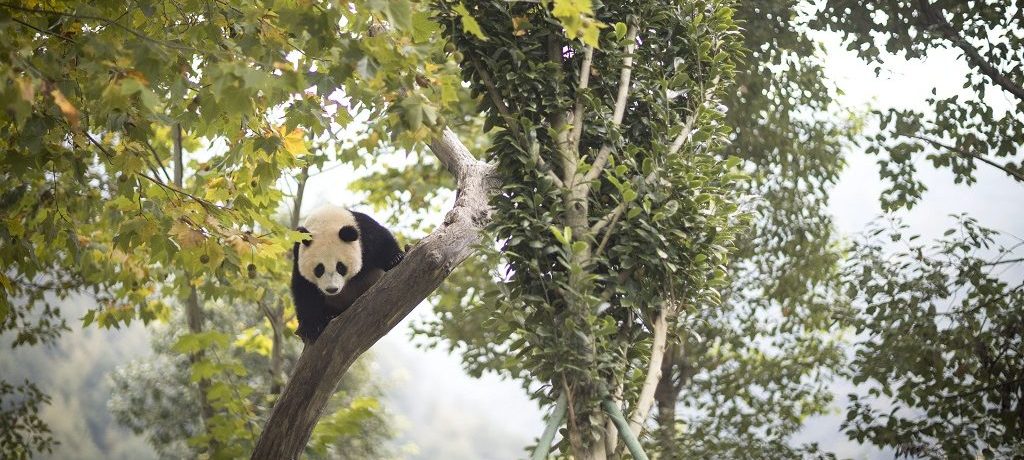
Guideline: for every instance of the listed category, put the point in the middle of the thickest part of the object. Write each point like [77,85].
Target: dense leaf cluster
[583,275]
[100,101]
[941,358]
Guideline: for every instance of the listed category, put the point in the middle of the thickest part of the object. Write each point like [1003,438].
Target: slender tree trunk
[667,393]
[193,308]
[276,315]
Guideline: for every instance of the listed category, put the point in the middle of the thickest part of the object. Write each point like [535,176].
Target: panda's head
[332,254]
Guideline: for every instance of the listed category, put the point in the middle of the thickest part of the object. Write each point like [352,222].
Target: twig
[608,220]
[158,161]
[1007,261]
[106,21]
[44,32]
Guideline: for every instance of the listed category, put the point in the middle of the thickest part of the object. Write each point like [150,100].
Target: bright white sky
[448,414]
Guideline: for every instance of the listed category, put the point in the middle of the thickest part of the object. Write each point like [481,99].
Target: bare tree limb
[376,312]
[620,105]
[934,19]
[646,399]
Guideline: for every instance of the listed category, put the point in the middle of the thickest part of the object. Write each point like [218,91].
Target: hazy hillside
[74,372]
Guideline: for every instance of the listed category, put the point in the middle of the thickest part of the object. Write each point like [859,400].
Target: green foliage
[100,98]
[748,374]
[22,432]
[159,395]
[572,305]
[954,389]
[955,132]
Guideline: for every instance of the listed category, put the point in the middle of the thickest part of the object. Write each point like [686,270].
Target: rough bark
[379,310]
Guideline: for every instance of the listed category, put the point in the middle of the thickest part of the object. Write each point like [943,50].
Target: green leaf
[620,30]
[469,23]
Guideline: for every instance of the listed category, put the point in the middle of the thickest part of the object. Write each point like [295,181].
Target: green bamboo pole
[632,443]
[554,422]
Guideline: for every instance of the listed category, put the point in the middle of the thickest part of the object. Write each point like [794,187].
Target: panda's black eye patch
[348,233]
[341,268]
[319,270]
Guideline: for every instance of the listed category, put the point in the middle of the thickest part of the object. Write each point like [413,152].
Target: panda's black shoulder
[380,248]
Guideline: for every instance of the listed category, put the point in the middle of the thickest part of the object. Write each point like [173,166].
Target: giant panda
[344,254]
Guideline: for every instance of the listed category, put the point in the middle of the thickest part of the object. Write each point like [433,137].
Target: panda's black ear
[307,241]
[348,234]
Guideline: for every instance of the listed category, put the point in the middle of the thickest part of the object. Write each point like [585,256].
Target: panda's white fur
[328,248]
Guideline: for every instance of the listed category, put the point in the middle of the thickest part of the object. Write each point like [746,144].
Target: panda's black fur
[380,253]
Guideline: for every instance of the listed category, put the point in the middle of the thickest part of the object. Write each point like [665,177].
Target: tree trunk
[667,393]
[324,362]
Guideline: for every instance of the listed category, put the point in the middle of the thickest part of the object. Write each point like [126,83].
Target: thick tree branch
[425,267]
[620,105]
[934,19]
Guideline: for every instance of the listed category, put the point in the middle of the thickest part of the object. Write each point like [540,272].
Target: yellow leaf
[518,25]
[294,142]
[570,8]
[185,235]
[239,244]
[5,282]
[69,110]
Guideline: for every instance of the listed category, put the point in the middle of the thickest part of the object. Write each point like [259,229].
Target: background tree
[614,215]
[934,319]
[956,133]
[152,396]
[780,112]
[955,389]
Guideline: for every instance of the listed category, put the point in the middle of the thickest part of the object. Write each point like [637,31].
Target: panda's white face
[334,254]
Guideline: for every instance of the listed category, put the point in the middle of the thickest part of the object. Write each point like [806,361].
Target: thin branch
[961,152]
[44,32]
[608,220]
[934,19]
[179,164]
[297,204]
[577,117]
[645,401]
[620,106]
[156,157]
[106,21]
[685,133]
[492,92]
[1007,261]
